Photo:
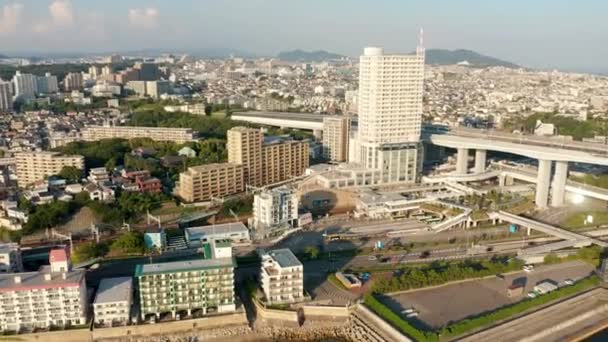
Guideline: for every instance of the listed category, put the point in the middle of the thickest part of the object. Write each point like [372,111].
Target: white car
[531,295]
[569,282]
[528,268]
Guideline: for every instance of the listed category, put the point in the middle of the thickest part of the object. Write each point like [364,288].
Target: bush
[129,243]
[89,250]
[439,273]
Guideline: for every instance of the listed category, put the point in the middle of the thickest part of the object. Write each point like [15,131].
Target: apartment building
[266,161]
[55,296]
[389,115]
[245,148]
[273,210]
[177,135]
[204,182]
[35,166]
[283,160]
[73,81]
[282,277]
[191,287]
[335,138]
[112,305]
[10,258]
[6,96]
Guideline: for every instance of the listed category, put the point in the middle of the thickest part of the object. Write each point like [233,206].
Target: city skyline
[532,35]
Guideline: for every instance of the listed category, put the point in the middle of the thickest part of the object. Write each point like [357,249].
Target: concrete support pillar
[529,231]
[559,183]
[480,161]
[189,312]
[462,161]
[543,182]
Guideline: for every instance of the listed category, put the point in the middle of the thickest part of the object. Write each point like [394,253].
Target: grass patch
[577,221]
[481,321]
[334,280]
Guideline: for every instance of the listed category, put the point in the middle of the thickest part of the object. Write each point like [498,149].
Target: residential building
[99,175]
[55,296]
[266,161]
[335,138]
[233,231]
[282,277]
[6,96]
[390,115]
[47,84]
[149,184]
[26,86]
[177,135]
[205,182]
[112,305]
[155,89]
[183,287]
[147,71]
[35,166]
[73,81]
[10,258]
[274,210]
[245,148]
[138,87]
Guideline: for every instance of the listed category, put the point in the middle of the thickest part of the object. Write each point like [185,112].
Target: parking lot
[438,307]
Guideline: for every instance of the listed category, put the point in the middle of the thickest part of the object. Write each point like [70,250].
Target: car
[569,282]
[372,258]
[425,254]
[408,311]
[532,294]
[413,314]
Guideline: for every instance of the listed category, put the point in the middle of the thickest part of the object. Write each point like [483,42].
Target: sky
[564,34]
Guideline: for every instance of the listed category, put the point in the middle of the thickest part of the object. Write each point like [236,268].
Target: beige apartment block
[245,148]
[335,138]
[35,166]
[177,135]
[266,162]
[284,160]
[204,182]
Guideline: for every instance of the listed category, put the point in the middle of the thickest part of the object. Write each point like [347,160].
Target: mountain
[3,56]
[307,56]
[446,57]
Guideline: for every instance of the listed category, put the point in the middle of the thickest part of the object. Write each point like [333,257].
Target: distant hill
[307,56]
[3,56]
[446,57]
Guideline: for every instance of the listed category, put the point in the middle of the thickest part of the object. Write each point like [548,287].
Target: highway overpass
[307,121]
[548,151]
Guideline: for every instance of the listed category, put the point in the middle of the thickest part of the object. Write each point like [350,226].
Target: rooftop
[36,280]
[183,266]
[217,229]
[284,257]
[113,290]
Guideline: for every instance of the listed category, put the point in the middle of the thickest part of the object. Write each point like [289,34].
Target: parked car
[569,281]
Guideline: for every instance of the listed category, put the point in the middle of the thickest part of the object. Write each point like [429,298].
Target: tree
[129,243]
[208,110]
[312,251]
[89,250]
[71,174]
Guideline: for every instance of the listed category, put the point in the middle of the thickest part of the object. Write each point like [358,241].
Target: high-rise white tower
[390,114]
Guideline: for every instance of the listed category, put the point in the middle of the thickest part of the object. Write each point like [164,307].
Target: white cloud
[145,18]
[10,17]
[61,12]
